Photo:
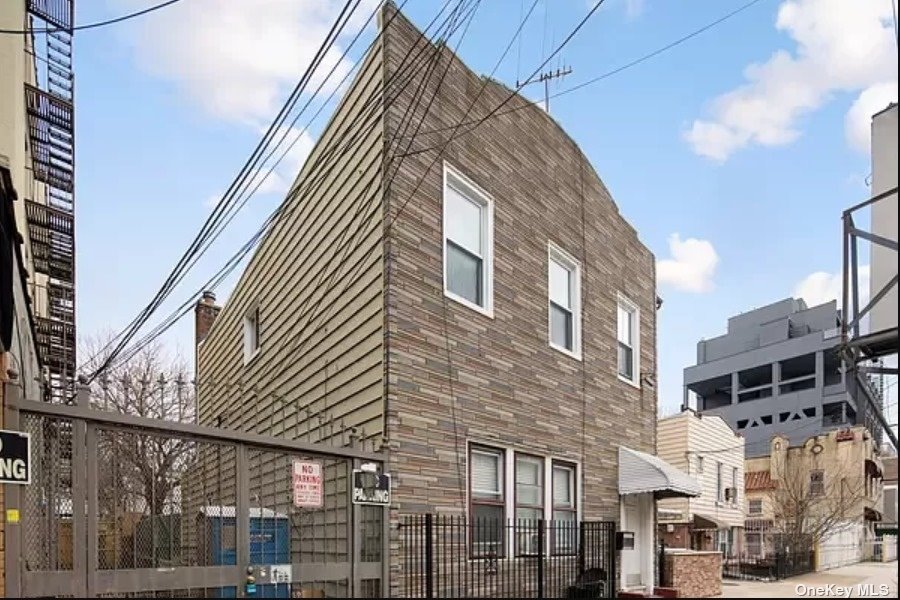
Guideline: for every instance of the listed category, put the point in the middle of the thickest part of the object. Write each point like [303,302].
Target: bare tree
[813,498]
[141,472]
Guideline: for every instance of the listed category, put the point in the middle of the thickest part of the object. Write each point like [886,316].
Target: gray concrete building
[776,371]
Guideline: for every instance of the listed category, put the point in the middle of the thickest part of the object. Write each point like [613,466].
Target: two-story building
[707,449]
[825,492]
[475,303]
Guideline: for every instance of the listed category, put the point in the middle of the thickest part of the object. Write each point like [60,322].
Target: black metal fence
[779,565]
[450,557]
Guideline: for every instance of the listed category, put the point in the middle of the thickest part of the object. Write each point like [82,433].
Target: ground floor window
[753,542]
[513,494]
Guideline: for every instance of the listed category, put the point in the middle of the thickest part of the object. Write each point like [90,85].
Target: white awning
[642,473]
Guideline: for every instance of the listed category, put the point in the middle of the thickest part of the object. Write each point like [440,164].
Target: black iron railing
[450,557]
[773,567]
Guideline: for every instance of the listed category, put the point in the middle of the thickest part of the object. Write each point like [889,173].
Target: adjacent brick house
[493,324]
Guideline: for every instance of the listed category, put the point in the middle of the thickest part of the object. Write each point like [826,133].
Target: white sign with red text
[307,484]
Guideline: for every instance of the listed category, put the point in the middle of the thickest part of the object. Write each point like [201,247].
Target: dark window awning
[873,469]
[642,473]
[707,522]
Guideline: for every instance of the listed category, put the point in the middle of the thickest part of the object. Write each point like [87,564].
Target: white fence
[844,546]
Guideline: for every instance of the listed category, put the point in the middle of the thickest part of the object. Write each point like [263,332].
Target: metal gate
[122,506]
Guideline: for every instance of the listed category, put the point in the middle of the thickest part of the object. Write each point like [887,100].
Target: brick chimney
[205,314]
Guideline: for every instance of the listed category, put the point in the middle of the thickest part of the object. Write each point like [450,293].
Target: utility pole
[545,77]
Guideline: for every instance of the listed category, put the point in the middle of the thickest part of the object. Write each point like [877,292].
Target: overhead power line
[615,71]
[301,187]
[660,50]
[453,136]
[196,247]
[603,76]
[112,21]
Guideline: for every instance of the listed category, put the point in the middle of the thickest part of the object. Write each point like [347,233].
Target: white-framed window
[628,337]
[755,506]
[529,502]
[564,301]
[565,509]
[699,464]
[510,492]
[468,243]
[252,338]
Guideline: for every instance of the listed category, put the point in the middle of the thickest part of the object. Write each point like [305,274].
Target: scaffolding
[50,112]
[863,351]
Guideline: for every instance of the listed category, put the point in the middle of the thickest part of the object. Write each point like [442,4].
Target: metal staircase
[51,215]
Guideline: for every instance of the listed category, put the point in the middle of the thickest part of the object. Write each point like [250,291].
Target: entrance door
[632,520]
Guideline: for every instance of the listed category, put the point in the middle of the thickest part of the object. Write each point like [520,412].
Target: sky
[732,154]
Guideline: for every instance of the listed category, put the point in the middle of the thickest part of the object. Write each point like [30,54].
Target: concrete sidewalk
[855,577]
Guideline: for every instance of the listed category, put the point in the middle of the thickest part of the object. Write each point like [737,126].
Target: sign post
[15,457]
[307,484]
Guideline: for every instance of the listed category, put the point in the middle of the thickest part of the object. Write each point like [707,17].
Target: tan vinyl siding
[672,447]
[317,279]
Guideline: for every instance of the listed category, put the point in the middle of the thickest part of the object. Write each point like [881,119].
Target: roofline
[890,106]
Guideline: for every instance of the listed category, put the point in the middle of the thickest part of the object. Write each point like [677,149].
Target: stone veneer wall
[694,574]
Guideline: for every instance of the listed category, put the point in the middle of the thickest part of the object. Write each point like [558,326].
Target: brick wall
[694,574]
[503,384]
[679,537]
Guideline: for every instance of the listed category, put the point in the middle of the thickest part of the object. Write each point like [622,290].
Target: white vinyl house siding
[319,292]
[681,440]
[712,438]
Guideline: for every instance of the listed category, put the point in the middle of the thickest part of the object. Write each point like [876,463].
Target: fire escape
[51,218]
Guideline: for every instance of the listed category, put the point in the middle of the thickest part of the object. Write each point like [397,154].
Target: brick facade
[694,574]
[457,376]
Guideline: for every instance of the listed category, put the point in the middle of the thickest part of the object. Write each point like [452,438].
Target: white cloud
[692,266]
[839,47]
[237,59]
[858,122]
[820,287]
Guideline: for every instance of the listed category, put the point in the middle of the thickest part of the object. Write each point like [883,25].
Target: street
[856,578]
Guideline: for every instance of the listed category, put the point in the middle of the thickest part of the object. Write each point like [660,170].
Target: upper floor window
[817,483]
[251,333]
[628,340]
[468,243]
[699,464]
[564,291]
[755,506]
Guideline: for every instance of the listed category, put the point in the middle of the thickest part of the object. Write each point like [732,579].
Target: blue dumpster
[270,544]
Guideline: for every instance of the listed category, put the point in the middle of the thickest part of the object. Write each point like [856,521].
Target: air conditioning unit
[730,494]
